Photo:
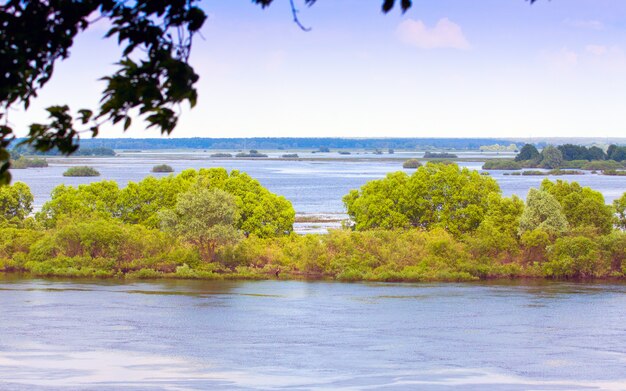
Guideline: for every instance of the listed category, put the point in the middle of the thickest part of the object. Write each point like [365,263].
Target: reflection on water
[310,335]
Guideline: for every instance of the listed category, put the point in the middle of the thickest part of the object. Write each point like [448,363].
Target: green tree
[205,218]
[551,157]
[497,233]
[528,152]
[543,212]
[596,153]
[582,206]
[16,202]
[437,195]
[575,257]
[620,208]
[85,201]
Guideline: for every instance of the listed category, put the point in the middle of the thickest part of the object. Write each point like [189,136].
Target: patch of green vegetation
[501,164]
[602,165]
[23,163]
[81,171]
[614,173]
[253,153]
[162,168]
[411,163]
[439,155]
[221,155]
[290,156]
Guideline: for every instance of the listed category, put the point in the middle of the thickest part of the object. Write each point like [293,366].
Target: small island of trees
[162,168]
[567,156]
[411,163]
[81,171]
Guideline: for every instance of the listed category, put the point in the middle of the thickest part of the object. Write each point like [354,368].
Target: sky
[445,68]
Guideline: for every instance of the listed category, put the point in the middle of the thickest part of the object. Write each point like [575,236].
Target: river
[294,335]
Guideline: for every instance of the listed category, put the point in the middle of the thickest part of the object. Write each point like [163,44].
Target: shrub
[162,168]
[411,163]
[502,164]
[440,155]
[81,171]
[23,163]
[575,257]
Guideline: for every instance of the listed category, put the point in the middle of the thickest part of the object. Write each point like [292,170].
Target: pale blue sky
[447,68]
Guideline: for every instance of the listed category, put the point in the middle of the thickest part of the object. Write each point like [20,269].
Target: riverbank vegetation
[439,223]
[567,156]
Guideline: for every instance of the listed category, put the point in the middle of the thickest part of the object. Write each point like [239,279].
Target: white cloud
[563,59]
[598,50]
[584,24]
[445,34]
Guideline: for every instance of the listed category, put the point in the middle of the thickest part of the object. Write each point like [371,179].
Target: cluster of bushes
[252,153]
[439,155]
[23,163]
[411,163]
[290,156]
[564,156]
[162,168]
[221,155]
[614,172]
[440,223]
[81,171]
[502,164]
[555,172]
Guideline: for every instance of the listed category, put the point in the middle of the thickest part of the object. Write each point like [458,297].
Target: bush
[614,173]
[221,155]
[162,168]
[411,163]
[600,165]
[575,257]
[441,155]
[252,153]
[502,164]
[290,156]
[23,163]
[81,171]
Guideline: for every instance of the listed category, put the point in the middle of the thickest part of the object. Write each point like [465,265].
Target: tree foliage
[528,152]
[551,157]
[203,217]
[16,202]
[582,206]
[542,212]
[620,208]
[437,195]
[260,212]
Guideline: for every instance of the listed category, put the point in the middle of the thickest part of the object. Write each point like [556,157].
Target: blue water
[291,335]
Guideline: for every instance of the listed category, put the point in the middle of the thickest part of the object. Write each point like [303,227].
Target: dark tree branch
[296,20]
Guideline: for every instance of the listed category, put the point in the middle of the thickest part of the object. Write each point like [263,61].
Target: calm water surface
[187,335]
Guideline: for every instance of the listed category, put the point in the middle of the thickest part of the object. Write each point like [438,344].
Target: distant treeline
[83,150]
[262,143]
